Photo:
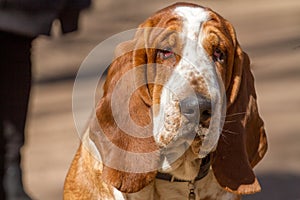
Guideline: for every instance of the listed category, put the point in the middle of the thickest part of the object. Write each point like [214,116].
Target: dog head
[182,86]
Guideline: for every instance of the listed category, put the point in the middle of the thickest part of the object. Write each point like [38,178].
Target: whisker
[224,138]
[231,132]
[230,121]
[235,114]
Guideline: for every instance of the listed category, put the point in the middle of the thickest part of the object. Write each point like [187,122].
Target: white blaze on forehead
[193,17]
[193,51]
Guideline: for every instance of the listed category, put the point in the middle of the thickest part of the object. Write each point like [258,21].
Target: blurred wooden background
[269,31]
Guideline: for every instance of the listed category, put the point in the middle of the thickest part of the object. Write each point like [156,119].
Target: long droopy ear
[243,141]
[122,115]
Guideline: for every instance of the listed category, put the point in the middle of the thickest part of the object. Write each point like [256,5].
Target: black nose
[196,108]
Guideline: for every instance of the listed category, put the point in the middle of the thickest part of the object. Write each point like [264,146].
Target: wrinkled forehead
[176,24]
[190,21]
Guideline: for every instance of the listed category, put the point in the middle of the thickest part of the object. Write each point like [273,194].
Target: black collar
[204,169]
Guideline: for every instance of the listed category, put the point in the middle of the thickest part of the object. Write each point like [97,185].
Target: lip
[196,145]
[179,146]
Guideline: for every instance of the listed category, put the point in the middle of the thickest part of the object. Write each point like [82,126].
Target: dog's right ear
[121,113]
[116,147]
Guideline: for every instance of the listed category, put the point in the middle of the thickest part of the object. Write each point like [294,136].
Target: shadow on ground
[277,186]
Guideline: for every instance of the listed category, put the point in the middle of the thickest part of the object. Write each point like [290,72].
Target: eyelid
[167,49]
[166,53]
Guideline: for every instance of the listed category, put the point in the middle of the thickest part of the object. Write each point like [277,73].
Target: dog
[178,118]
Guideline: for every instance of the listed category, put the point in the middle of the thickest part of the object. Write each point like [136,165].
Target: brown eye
[218,56]
[165,53]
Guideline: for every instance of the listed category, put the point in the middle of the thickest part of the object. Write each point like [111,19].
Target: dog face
[192,51]
[189,103]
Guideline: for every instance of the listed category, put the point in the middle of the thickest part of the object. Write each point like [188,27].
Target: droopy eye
[165,53]
[218,56]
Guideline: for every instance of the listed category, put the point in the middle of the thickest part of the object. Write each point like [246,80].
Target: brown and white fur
[185,51]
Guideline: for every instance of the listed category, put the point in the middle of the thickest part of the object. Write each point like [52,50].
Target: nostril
[205,117]
[206,114]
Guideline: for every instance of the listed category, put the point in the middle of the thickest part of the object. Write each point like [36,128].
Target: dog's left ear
[243,141]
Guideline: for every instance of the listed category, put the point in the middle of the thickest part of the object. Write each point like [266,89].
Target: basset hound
[178,118]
